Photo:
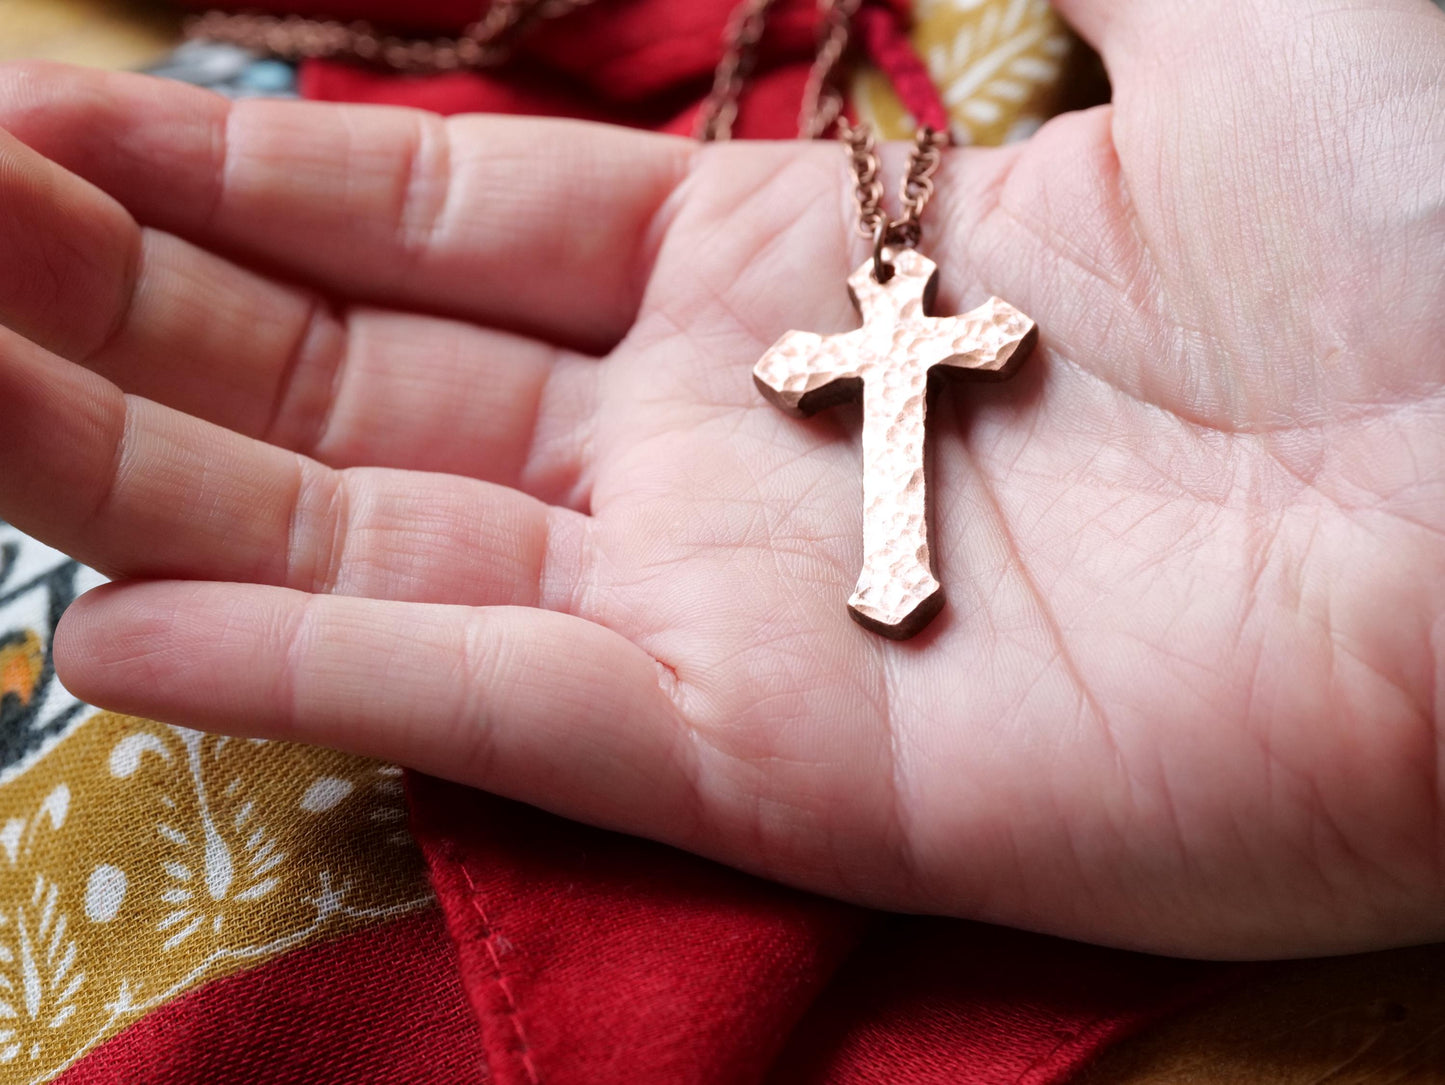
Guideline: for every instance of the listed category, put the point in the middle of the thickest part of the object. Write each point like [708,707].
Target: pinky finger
[534,705]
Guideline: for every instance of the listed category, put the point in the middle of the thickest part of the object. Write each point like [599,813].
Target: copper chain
[822,112]
[914,193]
[740,56]
[483,44]
[822,100]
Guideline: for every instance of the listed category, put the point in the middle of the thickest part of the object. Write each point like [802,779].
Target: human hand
[1187,692]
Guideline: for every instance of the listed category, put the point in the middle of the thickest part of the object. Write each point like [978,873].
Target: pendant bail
[882,269]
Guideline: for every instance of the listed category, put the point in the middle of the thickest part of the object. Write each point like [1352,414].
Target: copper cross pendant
[889,358]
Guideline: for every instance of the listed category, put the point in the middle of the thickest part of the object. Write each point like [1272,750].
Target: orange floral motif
[22,657]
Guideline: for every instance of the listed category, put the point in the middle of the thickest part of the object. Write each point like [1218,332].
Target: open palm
[440,445]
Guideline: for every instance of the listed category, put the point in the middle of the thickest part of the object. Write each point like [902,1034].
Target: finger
[169,321]
[542,707]
[543,226]
[69,253]
[135,489]
[1192,36]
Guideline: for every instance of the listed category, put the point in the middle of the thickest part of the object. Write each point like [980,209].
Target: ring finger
[137,489]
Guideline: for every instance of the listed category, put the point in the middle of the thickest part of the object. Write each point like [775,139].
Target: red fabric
[382,1005]
[580,956]
[941,1002]
[592,957]
[645,63]
[885,39]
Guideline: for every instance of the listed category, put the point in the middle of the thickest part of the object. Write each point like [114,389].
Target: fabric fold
[590,956]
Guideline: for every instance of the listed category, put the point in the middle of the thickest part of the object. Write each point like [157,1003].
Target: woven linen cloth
[178,907]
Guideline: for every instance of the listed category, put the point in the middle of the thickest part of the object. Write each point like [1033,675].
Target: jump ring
[882,269]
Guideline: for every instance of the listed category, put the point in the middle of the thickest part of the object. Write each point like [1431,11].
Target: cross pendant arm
[986,343]
[804,372]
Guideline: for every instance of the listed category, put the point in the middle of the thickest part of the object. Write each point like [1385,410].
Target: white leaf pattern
[996,64]
[137,860]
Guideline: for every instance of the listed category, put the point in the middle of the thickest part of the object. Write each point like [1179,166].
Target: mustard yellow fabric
[996,63]
[138,860]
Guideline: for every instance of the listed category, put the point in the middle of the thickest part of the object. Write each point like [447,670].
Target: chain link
[915,191]
[822,100]
[917,187]
[485,43]
[821,113]
[740,56]
[867,174]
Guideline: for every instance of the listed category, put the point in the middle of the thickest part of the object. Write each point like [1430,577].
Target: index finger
[542,226]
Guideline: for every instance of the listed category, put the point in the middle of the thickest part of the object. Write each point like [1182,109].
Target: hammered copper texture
[890,356]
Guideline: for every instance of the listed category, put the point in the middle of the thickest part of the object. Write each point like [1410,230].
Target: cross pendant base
[893,626]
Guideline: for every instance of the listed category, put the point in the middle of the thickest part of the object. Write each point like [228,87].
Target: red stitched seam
[489,939]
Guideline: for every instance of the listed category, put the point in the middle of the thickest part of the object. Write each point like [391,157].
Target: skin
[436,441]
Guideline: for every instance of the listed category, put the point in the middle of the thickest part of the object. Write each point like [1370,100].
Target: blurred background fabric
[178,907]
